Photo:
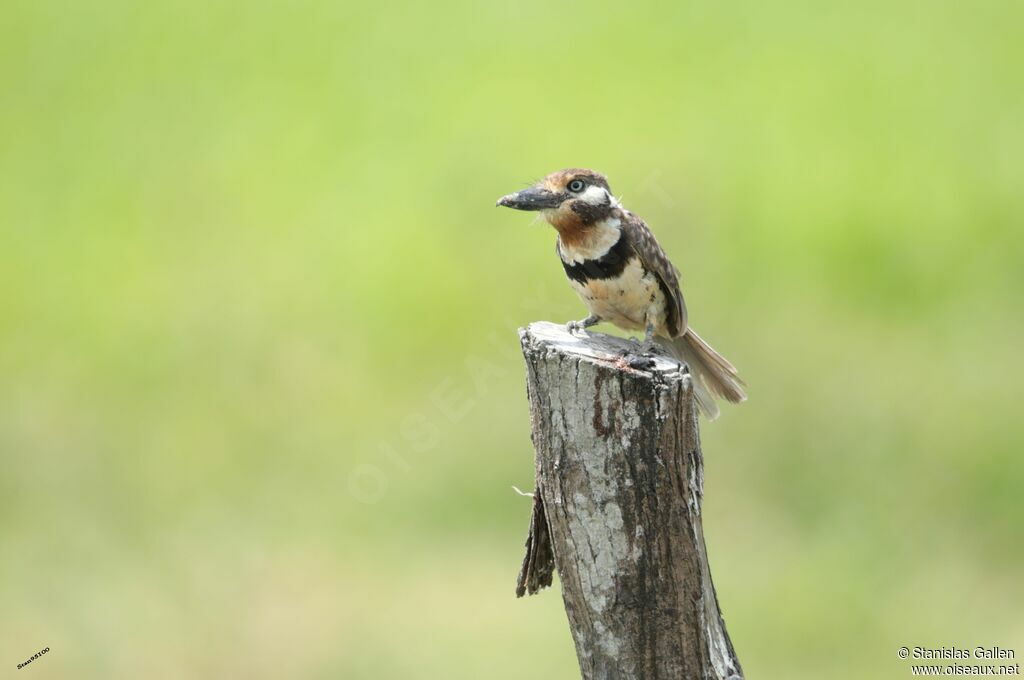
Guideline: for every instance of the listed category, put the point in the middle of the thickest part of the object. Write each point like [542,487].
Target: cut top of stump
[600,349]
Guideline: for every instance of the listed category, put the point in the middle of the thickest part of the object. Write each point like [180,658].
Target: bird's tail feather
[713,375]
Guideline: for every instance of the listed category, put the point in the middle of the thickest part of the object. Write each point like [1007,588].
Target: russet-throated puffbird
[619,270]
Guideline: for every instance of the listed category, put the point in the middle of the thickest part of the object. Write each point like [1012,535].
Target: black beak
[533,198]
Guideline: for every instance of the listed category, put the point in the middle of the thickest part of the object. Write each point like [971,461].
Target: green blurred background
[261,401]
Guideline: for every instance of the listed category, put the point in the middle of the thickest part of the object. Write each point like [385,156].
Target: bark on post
[619,481]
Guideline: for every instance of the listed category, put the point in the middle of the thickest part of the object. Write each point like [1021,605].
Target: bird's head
[569,199]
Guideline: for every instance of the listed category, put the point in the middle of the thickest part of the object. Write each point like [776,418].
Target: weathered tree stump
[617,509]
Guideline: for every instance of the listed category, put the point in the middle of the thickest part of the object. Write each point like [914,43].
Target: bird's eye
[576,186]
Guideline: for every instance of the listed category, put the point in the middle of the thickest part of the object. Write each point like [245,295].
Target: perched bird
[619,270]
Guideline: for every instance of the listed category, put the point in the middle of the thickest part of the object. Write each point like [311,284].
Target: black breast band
[608,266]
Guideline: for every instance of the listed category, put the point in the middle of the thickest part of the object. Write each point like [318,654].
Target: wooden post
[619,481]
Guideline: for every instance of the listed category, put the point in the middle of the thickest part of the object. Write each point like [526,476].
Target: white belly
[627,301]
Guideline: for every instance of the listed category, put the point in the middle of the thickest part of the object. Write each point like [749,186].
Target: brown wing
[654,258]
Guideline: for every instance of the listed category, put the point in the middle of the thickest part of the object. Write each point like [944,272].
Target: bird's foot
[643,347]
[583,324]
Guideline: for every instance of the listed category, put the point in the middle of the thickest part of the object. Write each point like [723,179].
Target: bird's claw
[582,325]
[644,347]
